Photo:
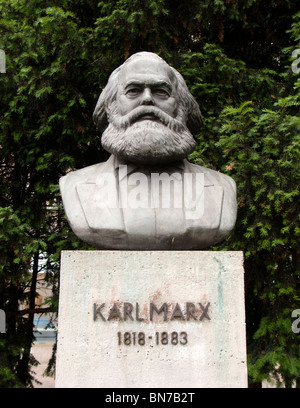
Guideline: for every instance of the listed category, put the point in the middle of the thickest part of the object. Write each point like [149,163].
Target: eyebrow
[152,84]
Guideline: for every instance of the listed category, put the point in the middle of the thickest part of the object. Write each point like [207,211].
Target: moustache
[150,113]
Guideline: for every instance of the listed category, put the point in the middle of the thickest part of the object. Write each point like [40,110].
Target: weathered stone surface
[148,118]
[103,293]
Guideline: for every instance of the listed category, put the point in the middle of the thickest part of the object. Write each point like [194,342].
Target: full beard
[145,141]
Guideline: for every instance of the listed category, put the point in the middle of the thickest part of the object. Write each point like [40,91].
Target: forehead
[146,70]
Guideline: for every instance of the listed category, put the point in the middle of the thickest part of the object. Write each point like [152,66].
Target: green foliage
[7,377]
[236,58]
[263,147]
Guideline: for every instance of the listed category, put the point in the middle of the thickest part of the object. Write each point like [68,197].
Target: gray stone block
[142,319]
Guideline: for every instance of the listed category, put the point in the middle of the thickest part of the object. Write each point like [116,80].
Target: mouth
[147,116]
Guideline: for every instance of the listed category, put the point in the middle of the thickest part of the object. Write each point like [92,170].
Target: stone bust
[147,196]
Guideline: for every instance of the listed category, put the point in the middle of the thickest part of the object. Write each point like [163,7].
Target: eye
[132,92]
[161,93]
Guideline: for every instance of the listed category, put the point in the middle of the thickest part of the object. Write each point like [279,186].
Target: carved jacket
[140,215]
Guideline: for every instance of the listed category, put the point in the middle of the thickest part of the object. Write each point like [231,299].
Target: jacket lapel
[99,199]
[206,209]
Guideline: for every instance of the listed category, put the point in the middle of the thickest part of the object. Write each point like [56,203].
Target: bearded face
[147,135]
[149,111]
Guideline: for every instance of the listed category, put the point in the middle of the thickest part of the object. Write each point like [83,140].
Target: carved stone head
[146,113]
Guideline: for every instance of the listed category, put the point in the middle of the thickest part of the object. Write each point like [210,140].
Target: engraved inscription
[160,338]
[157,313]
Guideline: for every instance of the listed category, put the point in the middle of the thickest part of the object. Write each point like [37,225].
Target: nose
[147,97]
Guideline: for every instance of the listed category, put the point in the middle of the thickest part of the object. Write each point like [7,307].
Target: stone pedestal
[143,319]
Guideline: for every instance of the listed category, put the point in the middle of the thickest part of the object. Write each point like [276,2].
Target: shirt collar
[168,168]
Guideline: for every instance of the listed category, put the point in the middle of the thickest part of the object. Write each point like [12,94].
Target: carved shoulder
[229,203]
[72,206]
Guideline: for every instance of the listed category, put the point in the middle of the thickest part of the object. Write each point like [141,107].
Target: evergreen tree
[236,59]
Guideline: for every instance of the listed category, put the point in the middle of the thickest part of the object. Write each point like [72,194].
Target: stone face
[130,319]
[147,196]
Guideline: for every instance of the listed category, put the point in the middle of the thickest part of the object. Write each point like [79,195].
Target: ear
[99,115]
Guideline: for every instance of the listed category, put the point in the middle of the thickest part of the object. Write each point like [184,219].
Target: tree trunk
[23,365]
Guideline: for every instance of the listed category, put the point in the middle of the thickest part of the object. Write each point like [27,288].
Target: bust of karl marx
[147,196]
